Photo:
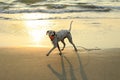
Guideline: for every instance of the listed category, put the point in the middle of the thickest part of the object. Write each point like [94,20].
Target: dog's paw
[60,54]
[62,49]
[76,50]
[47,54]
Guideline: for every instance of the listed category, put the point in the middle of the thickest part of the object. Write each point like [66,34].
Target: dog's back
[62,34]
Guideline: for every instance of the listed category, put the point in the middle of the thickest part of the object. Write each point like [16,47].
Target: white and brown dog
[60,36]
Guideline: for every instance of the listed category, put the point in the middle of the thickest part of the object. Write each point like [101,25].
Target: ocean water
[58,7]
[25,22]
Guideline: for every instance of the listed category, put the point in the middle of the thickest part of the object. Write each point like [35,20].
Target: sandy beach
[31,63]
[95,26]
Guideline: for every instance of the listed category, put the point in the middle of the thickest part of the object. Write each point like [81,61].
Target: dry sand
[33,64]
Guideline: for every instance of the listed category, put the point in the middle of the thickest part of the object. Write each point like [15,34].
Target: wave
[14,8]
[56,7]
[52,11]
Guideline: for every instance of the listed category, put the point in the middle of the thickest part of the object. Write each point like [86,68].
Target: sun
[36,31]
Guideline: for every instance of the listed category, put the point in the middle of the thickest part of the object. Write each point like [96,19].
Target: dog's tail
[70,26]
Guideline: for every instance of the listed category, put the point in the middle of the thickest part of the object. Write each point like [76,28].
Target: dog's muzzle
[52,37]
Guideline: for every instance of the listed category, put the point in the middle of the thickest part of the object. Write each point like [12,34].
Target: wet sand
[31,63]
[90,33]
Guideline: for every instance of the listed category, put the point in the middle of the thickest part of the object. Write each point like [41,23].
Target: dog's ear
[47,32]
[54,32]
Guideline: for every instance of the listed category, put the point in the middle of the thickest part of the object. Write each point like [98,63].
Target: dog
[55,37]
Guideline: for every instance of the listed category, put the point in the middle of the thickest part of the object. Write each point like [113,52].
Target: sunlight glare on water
[36,29]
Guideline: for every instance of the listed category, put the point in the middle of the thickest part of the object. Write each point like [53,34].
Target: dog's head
[50,33]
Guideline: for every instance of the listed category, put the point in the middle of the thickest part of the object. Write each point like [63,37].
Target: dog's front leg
[50,51]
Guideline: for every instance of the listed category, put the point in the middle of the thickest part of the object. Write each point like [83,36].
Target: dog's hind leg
[69,37]
[63,45]
[73,45]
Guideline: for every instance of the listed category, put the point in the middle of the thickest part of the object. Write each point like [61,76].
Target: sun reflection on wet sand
[36,31]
